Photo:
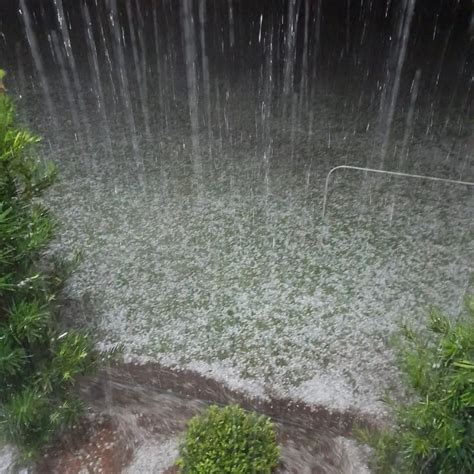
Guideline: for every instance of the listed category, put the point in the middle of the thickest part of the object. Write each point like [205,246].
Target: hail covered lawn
[243,281]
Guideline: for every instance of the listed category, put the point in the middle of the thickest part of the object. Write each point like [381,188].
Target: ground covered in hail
[229,269]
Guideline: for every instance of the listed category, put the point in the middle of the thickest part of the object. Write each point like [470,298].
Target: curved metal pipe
[393,173]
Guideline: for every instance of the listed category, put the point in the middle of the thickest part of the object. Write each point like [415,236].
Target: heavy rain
[262,191]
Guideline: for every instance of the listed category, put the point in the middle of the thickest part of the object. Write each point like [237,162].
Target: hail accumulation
[235,274]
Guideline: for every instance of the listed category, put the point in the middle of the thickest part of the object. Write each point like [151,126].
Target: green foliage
[228,441]
[39,362]
[434,433]
[2,76]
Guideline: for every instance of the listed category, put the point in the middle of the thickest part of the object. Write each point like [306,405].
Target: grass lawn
[245,282]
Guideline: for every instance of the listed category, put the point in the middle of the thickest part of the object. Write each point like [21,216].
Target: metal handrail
[393,173]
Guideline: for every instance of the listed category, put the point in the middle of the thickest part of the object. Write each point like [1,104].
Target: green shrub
[434,433]
[39,359]
[228,440]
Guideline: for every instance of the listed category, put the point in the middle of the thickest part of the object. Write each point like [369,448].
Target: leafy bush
[434,433]
[228,440]
[39,360]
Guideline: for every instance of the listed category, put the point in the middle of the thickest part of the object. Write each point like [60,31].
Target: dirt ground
[139,413]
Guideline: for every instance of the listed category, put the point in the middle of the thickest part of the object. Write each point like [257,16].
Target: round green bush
[228,440]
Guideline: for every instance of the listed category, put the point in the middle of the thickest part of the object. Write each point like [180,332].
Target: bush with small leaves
[228,441]
[39,359]
[435,432]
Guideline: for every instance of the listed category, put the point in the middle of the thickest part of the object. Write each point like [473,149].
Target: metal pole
[393,173]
